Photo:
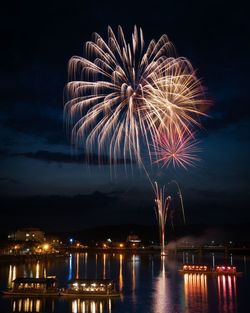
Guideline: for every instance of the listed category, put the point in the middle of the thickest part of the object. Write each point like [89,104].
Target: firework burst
[176,98]
[105,97]
[177,151]
[121,95]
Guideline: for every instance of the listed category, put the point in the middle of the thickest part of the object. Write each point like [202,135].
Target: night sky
[42,184]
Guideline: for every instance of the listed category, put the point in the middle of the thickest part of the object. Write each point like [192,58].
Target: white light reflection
[110,306]
[12,275]
[162,297]
[83,307]
[37,269]
[85,264]
[91,306]
[135,264]
[74,306]
[27,305]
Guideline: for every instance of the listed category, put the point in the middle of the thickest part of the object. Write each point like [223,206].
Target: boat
[90,288]
[25,286]
[205,269]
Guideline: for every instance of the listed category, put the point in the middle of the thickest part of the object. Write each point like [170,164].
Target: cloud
[228,112]
[60,157]
[69,212]
[36,124]
[4,153]
[9,180]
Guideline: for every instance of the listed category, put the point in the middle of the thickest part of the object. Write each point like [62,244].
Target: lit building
[119,245]
[27,234]
[133,241]
[54,240]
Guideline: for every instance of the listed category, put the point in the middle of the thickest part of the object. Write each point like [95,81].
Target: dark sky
[41,184]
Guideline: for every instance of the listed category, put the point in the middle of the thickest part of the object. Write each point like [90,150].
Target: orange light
[45,247]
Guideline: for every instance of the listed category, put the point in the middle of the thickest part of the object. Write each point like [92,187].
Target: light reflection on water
[91,306]
[27,305]
[75,305]
[104,265]
[195,290]
[162,298]
[70,267]
[227,294]
[148,284]
[12,275]
[120,272]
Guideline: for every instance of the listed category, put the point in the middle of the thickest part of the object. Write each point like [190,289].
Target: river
[148,284]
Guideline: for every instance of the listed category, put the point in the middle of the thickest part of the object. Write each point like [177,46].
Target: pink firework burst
[178,151]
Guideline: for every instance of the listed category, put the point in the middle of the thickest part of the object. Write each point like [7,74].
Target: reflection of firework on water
[122,95]
[106,95]
[177,151]
[162,205]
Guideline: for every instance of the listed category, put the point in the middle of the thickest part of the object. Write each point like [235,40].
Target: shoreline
[145,251]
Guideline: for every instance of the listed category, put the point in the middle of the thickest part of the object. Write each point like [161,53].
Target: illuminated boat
[205,269]
[24,286]
[90,288]
[228,270]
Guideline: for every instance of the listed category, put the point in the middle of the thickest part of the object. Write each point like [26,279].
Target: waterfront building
[27,234]
[133,241]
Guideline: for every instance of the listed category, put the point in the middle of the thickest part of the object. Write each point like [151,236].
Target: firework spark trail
[122,95]
[181,200]
[162,205]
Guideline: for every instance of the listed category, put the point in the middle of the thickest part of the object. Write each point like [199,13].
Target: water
[149,284]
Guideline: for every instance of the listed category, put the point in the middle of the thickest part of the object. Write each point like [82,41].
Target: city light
[46,247]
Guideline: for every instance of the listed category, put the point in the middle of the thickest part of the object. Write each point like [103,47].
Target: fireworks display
[178,151]
[176,98]
[106,95]
[162,205]
[123,96]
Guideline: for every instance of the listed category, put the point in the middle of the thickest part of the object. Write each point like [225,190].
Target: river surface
[148,284]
